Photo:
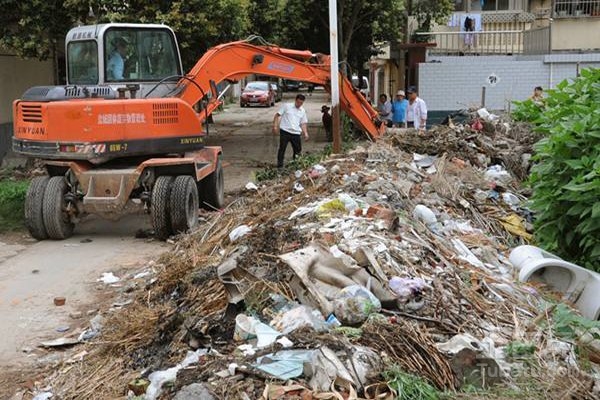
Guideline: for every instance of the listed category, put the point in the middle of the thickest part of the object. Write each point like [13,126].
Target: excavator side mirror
[257,59]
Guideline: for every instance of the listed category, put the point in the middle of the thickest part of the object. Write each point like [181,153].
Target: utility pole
[335,78]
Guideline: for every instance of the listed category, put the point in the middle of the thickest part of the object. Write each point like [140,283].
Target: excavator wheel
[184,204]
[211,189]
[55,215]
[159,207]
[34,201]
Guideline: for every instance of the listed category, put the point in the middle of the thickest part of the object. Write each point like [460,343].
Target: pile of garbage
[371,275]
[482,138]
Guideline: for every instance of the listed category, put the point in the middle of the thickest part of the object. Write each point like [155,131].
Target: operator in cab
[116,61]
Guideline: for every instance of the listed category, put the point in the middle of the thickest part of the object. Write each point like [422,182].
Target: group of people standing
[291,121]
[407,110]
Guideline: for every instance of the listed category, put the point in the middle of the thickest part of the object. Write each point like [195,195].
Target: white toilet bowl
[576,284]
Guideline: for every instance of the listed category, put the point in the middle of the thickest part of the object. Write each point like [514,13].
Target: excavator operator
[116,60]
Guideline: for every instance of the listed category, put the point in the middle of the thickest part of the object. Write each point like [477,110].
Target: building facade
[492,52]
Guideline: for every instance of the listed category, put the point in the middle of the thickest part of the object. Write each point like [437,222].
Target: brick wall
[451,83]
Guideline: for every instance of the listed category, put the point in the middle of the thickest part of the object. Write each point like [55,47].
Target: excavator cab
[124,54]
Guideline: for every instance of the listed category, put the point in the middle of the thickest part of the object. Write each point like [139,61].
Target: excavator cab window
[140,55]
[83,62]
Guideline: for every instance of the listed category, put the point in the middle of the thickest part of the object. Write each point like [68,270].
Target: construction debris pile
[373,275]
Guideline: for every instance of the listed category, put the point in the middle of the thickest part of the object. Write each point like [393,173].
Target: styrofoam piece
[577,285]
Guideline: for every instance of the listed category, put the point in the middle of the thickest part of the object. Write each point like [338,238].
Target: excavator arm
[91,123]
[235,60]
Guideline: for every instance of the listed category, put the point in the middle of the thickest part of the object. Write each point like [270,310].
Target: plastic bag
[299,317]
[353,305]
[239,232]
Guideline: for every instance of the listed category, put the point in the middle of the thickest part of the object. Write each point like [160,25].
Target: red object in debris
[458,162]
[393,320]
[59,301]
[477,125]
[381,212]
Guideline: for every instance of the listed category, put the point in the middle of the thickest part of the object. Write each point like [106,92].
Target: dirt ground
[33,273]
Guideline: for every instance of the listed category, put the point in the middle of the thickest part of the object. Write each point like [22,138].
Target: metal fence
[576,8]
[474,43]
[537,41]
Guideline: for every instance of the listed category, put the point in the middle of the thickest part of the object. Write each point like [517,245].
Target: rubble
[416,250]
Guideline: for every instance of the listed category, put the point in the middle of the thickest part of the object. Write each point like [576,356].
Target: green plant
[569,326]
[12,199]
[566,175]
[519,349]
[409,387]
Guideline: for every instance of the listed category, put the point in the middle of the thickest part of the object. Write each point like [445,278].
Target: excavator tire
[159,207]
[34,220]
[211,189]
[56,219]
[184,204]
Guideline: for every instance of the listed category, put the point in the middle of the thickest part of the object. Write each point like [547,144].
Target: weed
[12,199]
[517,349]
[409,387]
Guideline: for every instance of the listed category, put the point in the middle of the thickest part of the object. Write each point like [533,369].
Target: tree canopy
[36,29]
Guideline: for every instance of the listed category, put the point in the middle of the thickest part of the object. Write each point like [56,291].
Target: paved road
[33,273]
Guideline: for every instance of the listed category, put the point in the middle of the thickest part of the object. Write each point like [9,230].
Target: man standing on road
[416,112]
[291,121]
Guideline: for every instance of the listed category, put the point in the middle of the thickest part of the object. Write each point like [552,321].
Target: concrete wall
[575,33]
[16,76]
[452,83]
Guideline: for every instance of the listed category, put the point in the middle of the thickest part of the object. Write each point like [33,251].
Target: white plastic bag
[353,305]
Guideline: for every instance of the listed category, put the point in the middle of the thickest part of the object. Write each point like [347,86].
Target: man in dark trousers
[291,122]
[327,123]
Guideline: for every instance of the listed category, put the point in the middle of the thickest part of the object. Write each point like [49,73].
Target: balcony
[474,43]
[576,8]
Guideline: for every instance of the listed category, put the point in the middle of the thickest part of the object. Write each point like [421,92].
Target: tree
[36,28]
[305,24]
[429,11]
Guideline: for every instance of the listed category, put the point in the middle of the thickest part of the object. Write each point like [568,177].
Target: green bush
[12,199]
[566,175]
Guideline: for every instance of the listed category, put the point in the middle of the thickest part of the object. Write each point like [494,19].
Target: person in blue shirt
[116,60]
[399,110]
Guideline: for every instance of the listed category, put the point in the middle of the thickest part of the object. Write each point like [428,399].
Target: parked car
[278,92]
[291,85]
[258,93]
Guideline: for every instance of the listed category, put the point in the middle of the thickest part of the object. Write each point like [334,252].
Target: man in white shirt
[291,121]
[416,112]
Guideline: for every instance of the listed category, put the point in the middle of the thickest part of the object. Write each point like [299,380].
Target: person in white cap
[399,110]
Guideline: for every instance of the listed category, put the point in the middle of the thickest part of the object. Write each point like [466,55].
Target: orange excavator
[127,131]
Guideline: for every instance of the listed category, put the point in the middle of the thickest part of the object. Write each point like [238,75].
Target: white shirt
[292,118]
[416,111]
